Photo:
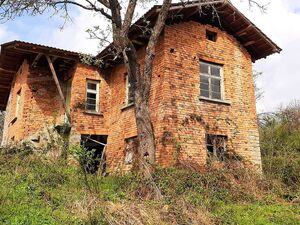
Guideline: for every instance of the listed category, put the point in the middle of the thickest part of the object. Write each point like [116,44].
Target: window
[210,35]
[210,81]
[18,103]
[129,93]
[92,96]
[216,146]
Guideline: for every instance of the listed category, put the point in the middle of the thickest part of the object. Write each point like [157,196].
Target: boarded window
[129,92]
[92,96]
[210,81]
[216,146]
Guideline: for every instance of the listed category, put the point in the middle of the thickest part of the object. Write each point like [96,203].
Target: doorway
[94,146]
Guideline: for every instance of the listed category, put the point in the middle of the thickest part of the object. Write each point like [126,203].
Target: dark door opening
[94,145]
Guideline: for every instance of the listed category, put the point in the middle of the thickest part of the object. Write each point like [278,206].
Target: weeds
[37,189]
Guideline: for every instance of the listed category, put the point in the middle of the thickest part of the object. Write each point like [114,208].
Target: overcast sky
[280,80]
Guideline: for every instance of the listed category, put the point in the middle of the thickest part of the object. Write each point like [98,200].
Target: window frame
[210,76]
[97,92]
[220,155]
[128,92]
[18,103]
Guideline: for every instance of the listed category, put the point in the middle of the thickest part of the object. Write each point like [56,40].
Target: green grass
[37,190]
[259,214]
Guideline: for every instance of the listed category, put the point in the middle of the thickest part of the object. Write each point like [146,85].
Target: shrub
[280,145]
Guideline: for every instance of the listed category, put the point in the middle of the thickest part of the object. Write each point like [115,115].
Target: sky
[280,80]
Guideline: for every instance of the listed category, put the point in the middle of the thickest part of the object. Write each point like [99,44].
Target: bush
[280,145]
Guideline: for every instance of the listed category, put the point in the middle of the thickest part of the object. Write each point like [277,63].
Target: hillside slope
[42,187]
[36,188]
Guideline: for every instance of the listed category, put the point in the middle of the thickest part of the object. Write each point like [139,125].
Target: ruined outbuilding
[202,97]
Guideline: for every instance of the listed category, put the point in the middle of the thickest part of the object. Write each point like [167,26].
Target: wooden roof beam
[54,58]
[36,59]
[192,13]
[58,88]
[249,43]
[199,4]
[43,51]
[2,86]
[243,31]
[7,71]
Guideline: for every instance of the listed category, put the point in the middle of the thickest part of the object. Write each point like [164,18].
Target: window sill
[125,107]
[13,120]
[93,113]
[224,102]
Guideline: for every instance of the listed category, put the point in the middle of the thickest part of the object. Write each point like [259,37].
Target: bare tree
[120,14]
[258,91]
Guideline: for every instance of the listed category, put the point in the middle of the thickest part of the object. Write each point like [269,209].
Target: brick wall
[122,121]
[14,125]
[40,105]
[82,121]
[181,120]
[187,119]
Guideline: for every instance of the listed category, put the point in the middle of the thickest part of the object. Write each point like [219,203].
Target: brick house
[202,95]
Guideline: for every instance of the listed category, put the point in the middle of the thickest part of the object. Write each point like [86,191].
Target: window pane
[204,79]
[205,93]
[216,82]
[215,88]
[204,86]
[91,95]
[92,86]
[215,71]
[203,68]
[216,95]
[91,101]
[91,107]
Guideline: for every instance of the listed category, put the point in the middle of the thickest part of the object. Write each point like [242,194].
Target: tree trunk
[141,86]
[144,127]
[141,82]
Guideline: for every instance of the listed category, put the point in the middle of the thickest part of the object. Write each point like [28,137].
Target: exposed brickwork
[14,125]
[85,123]
[181,120]
[188,119]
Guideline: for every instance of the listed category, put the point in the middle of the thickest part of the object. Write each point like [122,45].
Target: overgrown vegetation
[41,188]
[280,144]
[1,125]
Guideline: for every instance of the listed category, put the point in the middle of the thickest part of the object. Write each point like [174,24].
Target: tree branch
[263,8]
[92,7]
[116,13]
[105,3]
[150,50]
[128,16]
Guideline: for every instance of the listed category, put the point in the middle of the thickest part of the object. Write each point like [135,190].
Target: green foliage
[280,145]
[258,214]
[37,189]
